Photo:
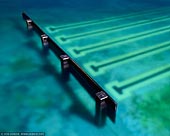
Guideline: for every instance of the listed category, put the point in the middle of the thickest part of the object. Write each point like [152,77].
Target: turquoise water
[33,95]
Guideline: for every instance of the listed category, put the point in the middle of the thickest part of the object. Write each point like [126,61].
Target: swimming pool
[122,45]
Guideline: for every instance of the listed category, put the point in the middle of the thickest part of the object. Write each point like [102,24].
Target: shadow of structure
[78,107]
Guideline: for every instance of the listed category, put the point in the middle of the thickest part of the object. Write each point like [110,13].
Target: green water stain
[153,110]
[23,63]
[40,103]
[159,57]
[41,118]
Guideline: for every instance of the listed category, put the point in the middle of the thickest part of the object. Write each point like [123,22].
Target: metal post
[65,66]
[29,24]
[101,108]
[44,39]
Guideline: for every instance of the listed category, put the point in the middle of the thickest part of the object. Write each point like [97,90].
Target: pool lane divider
[105,105]
[98,68]
[121,27]
[124,89]
[53,29]
[81,51]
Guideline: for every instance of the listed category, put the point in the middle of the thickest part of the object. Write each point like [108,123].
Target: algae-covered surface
[151,112]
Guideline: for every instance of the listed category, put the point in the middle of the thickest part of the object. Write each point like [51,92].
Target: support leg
[29,24]
[65,66]
[45,44]
[44,39]
[101,108]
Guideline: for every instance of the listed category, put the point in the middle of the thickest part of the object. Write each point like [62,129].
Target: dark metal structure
[105,105]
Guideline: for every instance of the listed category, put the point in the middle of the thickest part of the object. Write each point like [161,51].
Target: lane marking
[97,68]
[105,20]
[122,90]
[111,29]
[81,51]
